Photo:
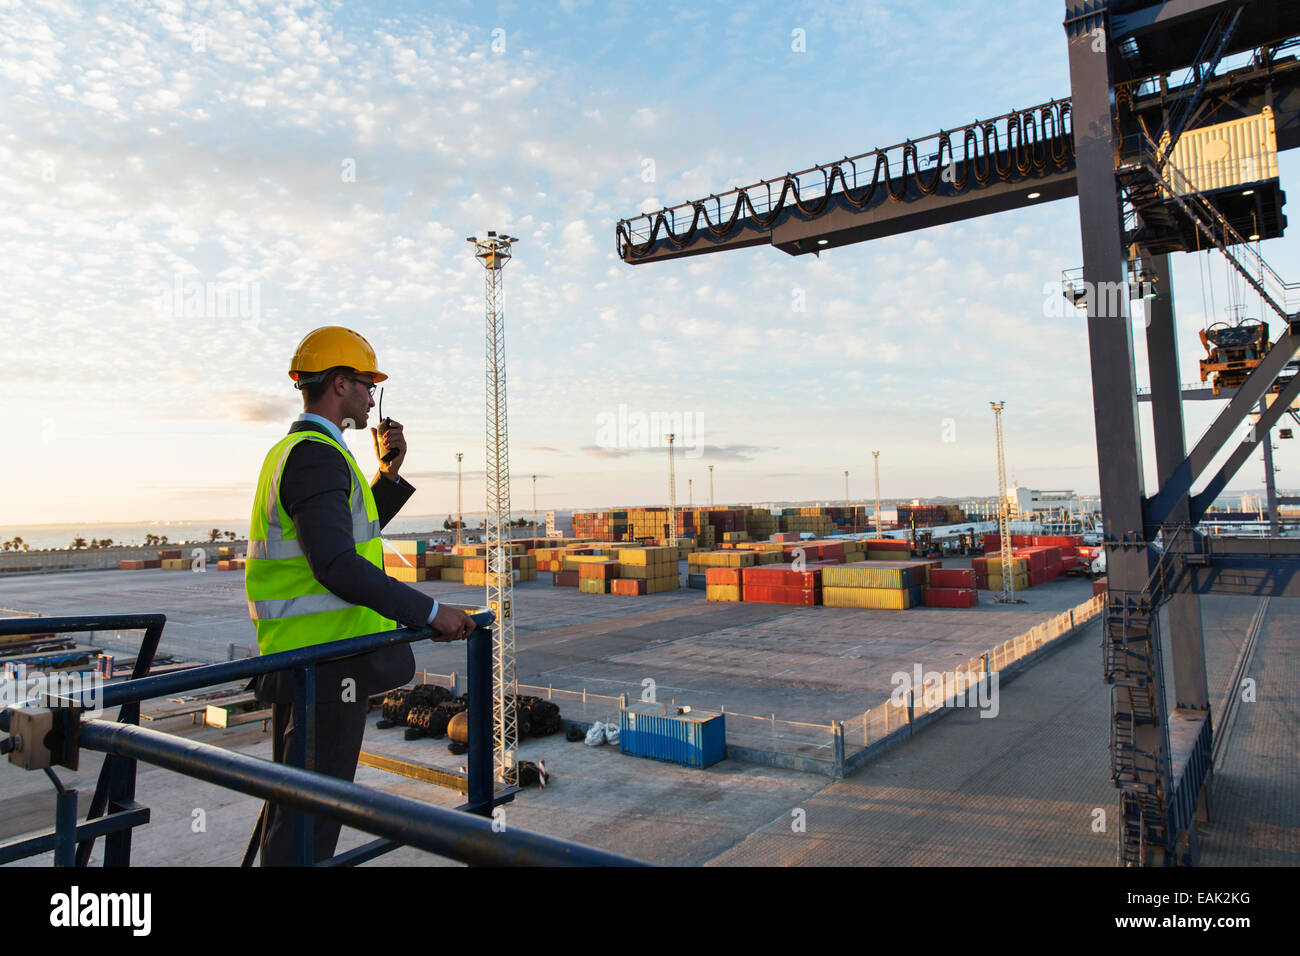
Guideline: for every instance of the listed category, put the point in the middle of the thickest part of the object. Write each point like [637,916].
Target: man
[315,567]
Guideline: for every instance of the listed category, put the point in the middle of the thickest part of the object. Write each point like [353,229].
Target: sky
[324,162]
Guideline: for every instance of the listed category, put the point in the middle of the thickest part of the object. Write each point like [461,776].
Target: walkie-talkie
[383,427]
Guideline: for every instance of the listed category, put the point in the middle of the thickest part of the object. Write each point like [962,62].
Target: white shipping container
[1224,155]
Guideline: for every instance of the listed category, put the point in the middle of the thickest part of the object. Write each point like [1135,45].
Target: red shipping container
[1037,558]
[768,594]
[1022,541]
[949,597]
[565,579]
[1062,541]
[1055,569]
[1069,561]
[1100,586]
[782,575]
[169,555]
[980,565]
[885,544]
[992,542]
[628,586]
[1037,577]
[981,581]
[723,576]
[832,551]
[952,578]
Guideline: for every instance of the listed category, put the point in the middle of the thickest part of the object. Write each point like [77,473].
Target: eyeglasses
[370,386]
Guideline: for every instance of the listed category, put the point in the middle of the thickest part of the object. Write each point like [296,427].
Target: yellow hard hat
[332,346]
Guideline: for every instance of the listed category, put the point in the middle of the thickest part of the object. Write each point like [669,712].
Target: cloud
[263,410]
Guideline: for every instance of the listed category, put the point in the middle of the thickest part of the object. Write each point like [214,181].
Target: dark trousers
[339,729]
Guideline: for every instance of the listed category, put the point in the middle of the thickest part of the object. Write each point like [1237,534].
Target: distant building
[559,527]
[1029,501]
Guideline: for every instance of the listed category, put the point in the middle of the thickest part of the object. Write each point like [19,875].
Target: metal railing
[825,745]
[895,714]
[295,787]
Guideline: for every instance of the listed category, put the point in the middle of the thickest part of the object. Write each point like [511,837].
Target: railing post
[478,689]
[303,754]
[65,828]
[837,743]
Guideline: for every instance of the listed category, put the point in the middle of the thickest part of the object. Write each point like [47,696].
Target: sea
[40,536]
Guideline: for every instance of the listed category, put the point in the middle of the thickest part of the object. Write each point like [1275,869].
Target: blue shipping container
[692,740]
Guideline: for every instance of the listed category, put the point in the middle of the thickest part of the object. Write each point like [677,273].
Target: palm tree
[106,542]
[163,539]
[150,539]
[214,534]
[78,544]
[231,535]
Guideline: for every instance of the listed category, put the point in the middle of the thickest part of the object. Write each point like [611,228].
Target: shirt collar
[330,428]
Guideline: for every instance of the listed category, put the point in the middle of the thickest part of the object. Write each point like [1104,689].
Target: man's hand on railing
[451,624]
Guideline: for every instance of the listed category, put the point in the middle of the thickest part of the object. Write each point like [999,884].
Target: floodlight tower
[846,495]
[534,506]
[710,486]
[672,494]
[494,253]
[690,492]
[460,516]
[1004,516]
[876,456]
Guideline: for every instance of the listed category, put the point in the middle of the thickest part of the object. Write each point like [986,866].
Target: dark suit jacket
[314,492]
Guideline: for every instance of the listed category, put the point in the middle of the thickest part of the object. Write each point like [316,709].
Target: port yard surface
[1018,789]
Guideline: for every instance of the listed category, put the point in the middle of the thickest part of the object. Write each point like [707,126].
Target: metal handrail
[450,833]
[301,791]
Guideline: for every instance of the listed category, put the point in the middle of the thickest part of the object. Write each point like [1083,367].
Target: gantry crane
[1115,143]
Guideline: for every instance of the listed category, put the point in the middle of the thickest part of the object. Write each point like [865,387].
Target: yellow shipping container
[409,575]
[1018,565]
[175,564]
[866,575]
[1018,581]
[883,599]
[722,592]
[453,574]
[647,557]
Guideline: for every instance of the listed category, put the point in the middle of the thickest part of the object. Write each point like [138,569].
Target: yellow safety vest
[289,607]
